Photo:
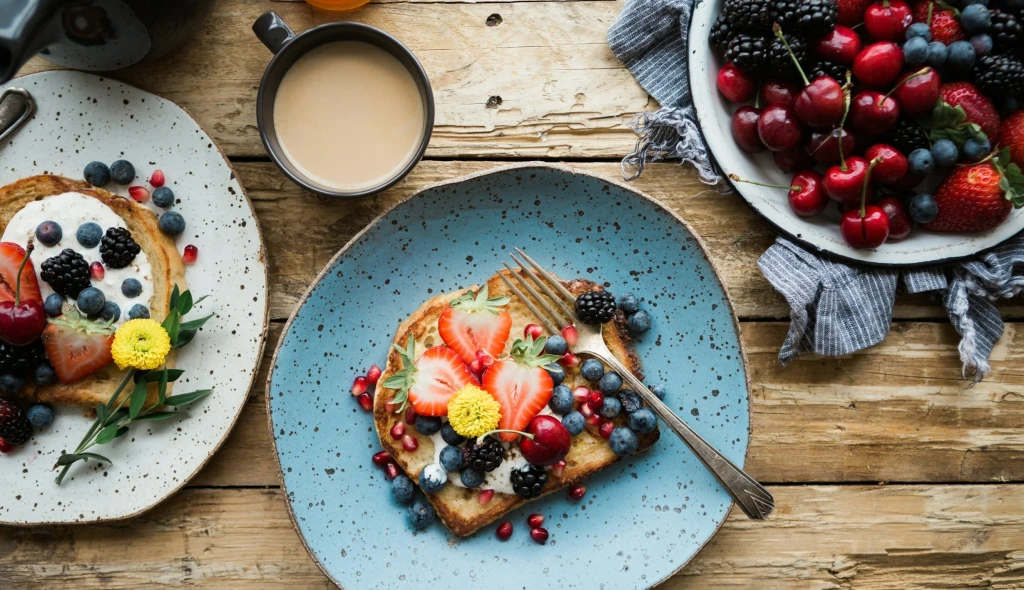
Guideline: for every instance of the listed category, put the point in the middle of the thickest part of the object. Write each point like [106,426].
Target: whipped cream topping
[71,210]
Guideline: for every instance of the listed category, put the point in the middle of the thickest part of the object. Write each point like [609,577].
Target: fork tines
[554,320]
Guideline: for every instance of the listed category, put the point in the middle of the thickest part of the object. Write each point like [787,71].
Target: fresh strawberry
[429,381]
[851,12]
[944,24]
[978,107]
[77,346]
[475,322]
[971,200]
[1011,135]
[11,256]
[520,384]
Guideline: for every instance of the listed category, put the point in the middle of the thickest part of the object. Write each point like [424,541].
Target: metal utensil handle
[16,106]
[752,497]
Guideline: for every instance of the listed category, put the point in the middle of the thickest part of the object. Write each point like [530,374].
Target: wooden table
[889,470]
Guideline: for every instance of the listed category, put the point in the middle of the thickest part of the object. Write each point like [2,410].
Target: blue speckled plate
[642,519]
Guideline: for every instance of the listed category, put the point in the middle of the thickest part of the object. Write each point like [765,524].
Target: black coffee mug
[289,47]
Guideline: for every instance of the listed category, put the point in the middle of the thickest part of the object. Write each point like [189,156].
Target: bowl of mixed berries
[883,132]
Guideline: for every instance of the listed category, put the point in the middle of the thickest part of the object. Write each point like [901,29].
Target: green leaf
[172,375]
[69,458]
[187,398]
[138,398]
[945,116]
[116,417]
[155,416]
[185,303]
[96,457]
[172,323]
[108,434]
[174,298]
[184,337]
[121,431]
[101,412]
[195,324]
[161,387]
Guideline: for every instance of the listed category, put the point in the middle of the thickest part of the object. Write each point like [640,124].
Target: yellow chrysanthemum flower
[140,344]
[473,412]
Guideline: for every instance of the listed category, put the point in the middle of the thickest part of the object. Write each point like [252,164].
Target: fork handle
[752,497]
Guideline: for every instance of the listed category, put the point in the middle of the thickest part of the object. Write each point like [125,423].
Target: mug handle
[272,31]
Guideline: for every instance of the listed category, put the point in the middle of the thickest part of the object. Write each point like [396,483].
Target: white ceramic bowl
[820,233]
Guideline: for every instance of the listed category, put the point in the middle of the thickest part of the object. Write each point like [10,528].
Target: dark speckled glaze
[641,519]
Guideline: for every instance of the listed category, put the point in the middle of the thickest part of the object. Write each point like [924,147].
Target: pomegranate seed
[390,407]
[97,271]
[139,193]
[359,385]
[594,420]
[373,375]
[380,459]
[569,359]
[476,367]
[534,520]
[485,358]
[577,491]
[157,179]
[570,335]
[190,255]
[596,400]
[580,393]
[504,530]
[606,428]
[586,409]
[539,534]
[410,415]
[5,447]
[391,470]
[485,496]
[410,443]
[534,331]
[398,430]
[558,468]
[365,401]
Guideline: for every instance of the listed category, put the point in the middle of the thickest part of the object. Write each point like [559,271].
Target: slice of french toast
[459,508]
[166,265]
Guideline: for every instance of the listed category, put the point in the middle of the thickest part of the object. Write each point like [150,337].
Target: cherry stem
[778,33]
[17,282]
[847,91]
[486,434]
[931,7]
[864,188]
[794,187]
[920,72]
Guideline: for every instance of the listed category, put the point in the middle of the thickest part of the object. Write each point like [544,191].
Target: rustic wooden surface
[826,432]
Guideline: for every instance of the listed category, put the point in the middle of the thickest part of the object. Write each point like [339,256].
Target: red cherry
[735,84]
[744,129]
[550,441]
[917,92]
[806,197]
[878,64]
[865,231]
[845,184]
[778,128]
[824,147]
[841,45]
[892,165]
[888,20]
[778,92]
[873,113]
[21,321]
[900,223]
[821,103]
[793,159]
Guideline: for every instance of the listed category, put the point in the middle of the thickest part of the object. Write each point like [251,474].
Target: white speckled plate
[80,118]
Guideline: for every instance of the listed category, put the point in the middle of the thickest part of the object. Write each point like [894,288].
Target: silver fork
[751,496]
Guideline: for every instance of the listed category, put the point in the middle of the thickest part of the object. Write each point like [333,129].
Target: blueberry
[556,345]
[11,384]
[111,312]
[915,52]
[420,514]
[961,55]
[658,390]
[44,374]
[131,287]
[97,174]
[923,208]
[982,44]
[623,441]
[975,18]
[574,422]
[171,223]
[639,322]
[91,301]
[427,425]
[138,311]
[89,234]
[975,149]
[122,172]
[402,490]
[556,371]
[982,2]
[433,477]
[592,369]
[471,478]
[449,435]
[937,54]
[40,416]
[451,458]
[944,153]
[610,383]
[921,162]
[163,197]
[561,400]
[642,420]
[919,30]
[628,303]
[49,233]
[611,407]
[53,304]
[630,401]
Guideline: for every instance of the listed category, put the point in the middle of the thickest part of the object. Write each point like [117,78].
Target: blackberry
[907,136]
[721,32]
[117,248]
[528,481]
[595,307]
[779,61]
[815,18]
[20,361]
[483,455]
[828,68]
[1007,32]
[14,426]
[999,75]
[785,13]
[67,273]
[749,16]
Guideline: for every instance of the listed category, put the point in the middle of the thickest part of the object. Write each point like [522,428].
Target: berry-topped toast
[486,411]
[95,260]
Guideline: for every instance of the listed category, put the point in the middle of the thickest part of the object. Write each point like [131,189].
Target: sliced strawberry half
[77,347]
[475,322]
[429,381]
[11,256]
[520,384]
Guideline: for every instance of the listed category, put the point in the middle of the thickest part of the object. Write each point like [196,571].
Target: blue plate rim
[458,180]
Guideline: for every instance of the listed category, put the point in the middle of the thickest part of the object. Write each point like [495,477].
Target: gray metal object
[16,106]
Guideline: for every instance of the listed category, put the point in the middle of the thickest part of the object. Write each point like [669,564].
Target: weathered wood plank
[820,537]
[537,80]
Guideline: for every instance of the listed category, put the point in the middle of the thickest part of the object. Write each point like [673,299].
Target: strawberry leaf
[949,122]
[1011,179]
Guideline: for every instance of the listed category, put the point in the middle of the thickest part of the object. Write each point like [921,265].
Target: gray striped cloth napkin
[835,308]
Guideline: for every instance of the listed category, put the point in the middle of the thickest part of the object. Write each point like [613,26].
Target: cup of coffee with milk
[344,109]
